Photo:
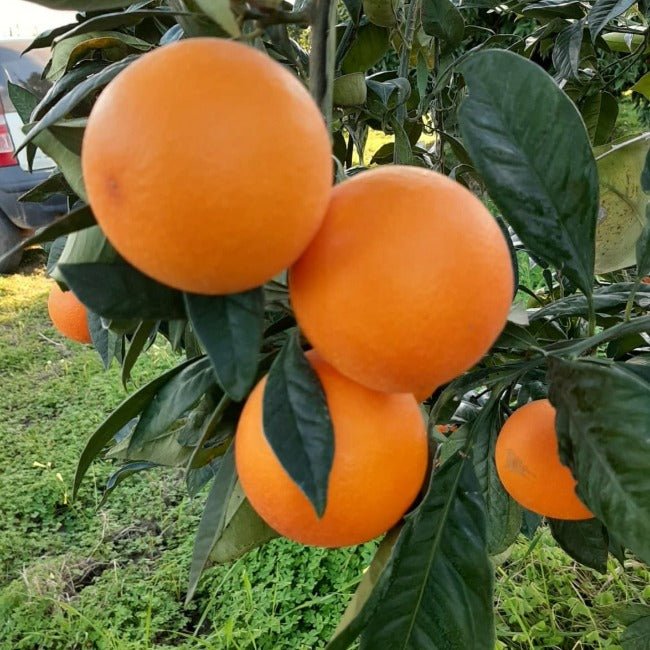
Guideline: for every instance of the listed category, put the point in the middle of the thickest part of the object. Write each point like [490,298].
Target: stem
[323,55]
[592,315]
[630,301]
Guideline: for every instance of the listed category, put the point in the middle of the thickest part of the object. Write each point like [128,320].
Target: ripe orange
[408,282]
[207,165]
[380,460]
[529,465]
[68,315]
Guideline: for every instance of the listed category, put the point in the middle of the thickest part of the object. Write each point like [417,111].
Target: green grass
[73,576]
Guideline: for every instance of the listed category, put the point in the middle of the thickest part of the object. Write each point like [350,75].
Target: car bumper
[14,182]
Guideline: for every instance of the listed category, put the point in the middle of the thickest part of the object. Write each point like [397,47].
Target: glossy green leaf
[585,541]
[140,338]
[123,414]
[46,38]
[603,11]
[104,340]
[599,111]
[82,5]
[441,19]
[566,52]
[547,9]
[436,590]
[297,423]
[230,329]
[603,427]
[368,48]
[172,400]
[244,530]
[213,519]
[117,290]
[544,182]
[504,515]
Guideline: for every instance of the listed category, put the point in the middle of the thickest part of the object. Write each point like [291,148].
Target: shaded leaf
[46,38]
[117,290]
[143,333]
[123,473]
[637,635]
[599,111]
[52,186]
[104,340]
[603,11]
[297,423]
[82,4]
[537,165]
[119,418]
[585,541]
[221,13]
[367,49]
[546,9]
[603,425]
[441,19]
[213,519]
[172,400]
[566,52]
[230,329]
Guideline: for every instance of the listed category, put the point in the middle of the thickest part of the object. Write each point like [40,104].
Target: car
[18,219]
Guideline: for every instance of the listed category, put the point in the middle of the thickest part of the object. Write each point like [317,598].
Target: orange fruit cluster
[220,179]
[529,466]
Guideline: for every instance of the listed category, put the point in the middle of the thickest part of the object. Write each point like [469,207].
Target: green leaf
[82,5]
[547,9]
[221,13]
[144,332]
[297,423]
[104,341]
[537,165]
[119,418]
[516,337]
[115,20]
[566,52]
[603,427]
[71,50]
[402,153]
[436,590]
[230,329]
[599,112]
[643,86]
[637,635]
[46,38]
[585,541]
[441,19]
[172,400]
[213,519]
[368,48]
[123,473]
[603,11]
[504,515]
[52,186]
[117,290]
[244,530]
[643,243]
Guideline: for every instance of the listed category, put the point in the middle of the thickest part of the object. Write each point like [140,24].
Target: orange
[207,165]
[380,461]
[529,466]
[407,284]
[68,315]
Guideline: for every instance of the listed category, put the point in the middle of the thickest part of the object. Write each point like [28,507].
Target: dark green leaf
[516,337]
[230,329]
[368,48]
[637,635]
[585,541]
[46,38]
[56,249]
[77,95]
[603,427]
[397,89]
[120,417]
[441,19]
[599,112]
[82,5]
[436,590]
[144,332]
[643,248]
[566,52]
[537,165]
[118,290]
[547,9]
[603,11]
[123,473]
[52,186]
[530,523]
[172,400]
[24,101]
[244,530]
[104,341]
[115,20]
[504,515]
[402,153]
[297,423]
[645,175]
[196,478]
[213,519]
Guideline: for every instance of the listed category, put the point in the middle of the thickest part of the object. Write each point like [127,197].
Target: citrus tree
[441,342]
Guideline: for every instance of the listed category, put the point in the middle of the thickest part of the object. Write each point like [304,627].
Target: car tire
[10,236]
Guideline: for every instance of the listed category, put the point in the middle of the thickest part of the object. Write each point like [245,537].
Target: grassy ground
[76,576]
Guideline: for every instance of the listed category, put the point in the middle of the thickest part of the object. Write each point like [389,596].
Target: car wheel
[10,236]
